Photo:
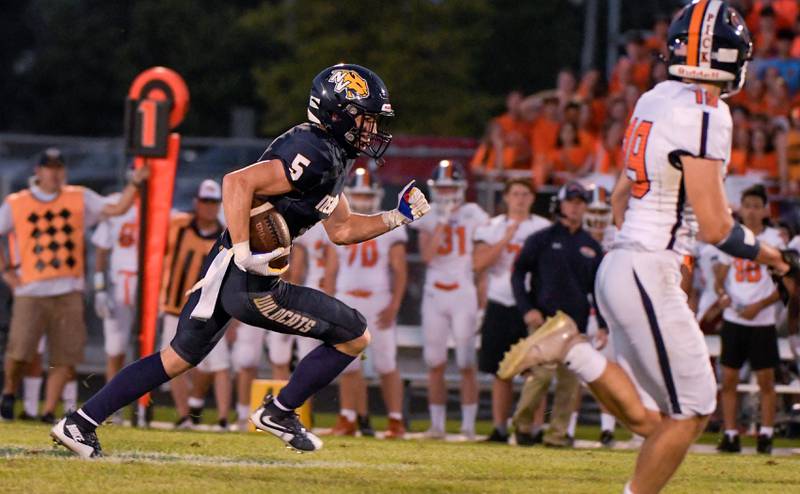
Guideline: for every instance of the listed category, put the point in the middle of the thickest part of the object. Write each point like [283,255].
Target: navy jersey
[317,168]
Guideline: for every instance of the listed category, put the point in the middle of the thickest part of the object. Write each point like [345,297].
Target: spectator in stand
[761,156]
[741,142]
[658,73]
[608,157]
[618,110]
[789,151]
[566,87]
[634,67]
[570,158]
[592,91]
[507,145]
[48,221]
[787,67]
[545,133]
[656,43]
[765,37]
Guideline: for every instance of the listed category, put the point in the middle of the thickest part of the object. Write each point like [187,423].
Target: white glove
[411,206]
[258,263]
[102,304]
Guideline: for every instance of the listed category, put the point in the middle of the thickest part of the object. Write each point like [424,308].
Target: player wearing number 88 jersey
[450,300]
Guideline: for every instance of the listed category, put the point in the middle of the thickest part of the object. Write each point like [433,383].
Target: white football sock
[468,414]
[731,433]
[437,416]
[31,390]
[350,415]
[69,395]
[395,415]
[242,411]
[607,422]
[765,431]
[573,423]
[196,402]
[628,489]
[585,361]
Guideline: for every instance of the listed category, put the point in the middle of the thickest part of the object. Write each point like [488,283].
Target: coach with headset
[562,262]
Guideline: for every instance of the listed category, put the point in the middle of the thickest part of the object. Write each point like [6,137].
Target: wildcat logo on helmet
[351,82]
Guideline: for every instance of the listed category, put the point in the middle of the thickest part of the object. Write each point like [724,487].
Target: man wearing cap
[48,221]
[191,236]
[562,261]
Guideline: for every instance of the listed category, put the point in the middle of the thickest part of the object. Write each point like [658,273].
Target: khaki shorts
[59,317]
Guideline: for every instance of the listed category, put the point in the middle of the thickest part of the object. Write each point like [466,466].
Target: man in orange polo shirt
[48,221]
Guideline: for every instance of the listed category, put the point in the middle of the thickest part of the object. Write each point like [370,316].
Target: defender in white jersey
[497,245]
[371,278]
[307,267]
[748,327]
[677,146]
[450,300]
[117,254]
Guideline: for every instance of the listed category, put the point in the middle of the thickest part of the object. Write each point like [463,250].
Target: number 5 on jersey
[634,148]
[298,166]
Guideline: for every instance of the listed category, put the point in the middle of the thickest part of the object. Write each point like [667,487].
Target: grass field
[141,461]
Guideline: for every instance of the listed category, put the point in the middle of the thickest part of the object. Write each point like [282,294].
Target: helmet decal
[351,83]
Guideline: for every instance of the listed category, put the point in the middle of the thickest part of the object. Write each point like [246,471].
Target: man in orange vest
[48,221]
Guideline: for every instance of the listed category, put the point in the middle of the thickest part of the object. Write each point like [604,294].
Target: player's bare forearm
[619,199]
[486,255]
[345,227]
[297,265]
[238,189]
[129,193]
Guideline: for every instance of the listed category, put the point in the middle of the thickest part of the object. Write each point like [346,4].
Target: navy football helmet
[344,92]
[708,41]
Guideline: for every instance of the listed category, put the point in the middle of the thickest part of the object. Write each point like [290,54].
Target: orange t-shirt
[516,147]
[767,162]
[569,159]
[738,163]
[641,75]
[544,135]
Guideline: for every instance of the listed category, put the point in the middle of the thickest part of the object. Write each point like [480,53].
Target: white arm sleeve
[6,220]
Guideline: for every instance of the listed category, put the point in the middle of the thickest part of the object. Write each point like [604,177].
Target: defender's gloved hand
[258,263]
[411,206]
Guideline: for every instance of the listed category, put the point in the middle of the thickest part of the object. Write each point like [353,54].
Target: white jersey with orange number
[315,240]
[451,266]
[748,282]
[499,273]
[364,267]
[120,235]
[671,120]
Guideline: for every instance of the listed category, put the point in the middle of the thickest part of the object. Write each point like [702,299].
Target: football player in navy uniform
[302,175]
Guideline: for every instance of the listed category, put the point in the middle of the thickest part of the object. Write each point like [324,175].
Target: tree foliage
[66,65]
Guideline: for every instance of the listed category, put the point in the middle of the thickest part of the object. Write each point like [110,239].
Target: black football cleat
[728,445]
[72,436]
[27,418]
[365,427]
[48,418]
[607,438]
[764,444]
[527,439]
[285,426]
[7,407]
[497,437]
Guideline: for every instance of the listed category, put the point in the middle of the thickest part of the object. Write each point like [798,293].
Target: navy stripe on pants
[661,350]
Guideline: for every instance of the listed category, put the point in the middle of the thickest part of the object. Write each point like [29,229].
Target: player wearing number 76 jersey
[677,148]
[450,300]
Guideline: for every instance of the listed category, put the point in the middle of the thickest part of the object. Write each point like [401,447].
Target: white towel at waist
[210,285]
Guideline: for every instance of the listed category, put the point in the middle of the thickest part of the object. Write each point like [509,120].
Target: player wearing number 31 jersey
[676,151]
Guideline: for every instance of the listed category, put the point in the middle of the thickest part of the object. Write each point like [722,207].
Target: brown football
[268,231]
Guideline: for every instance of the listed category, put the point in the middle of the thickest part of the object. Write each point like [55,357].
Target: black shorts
[502,327]
[266,302]
[756,344]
